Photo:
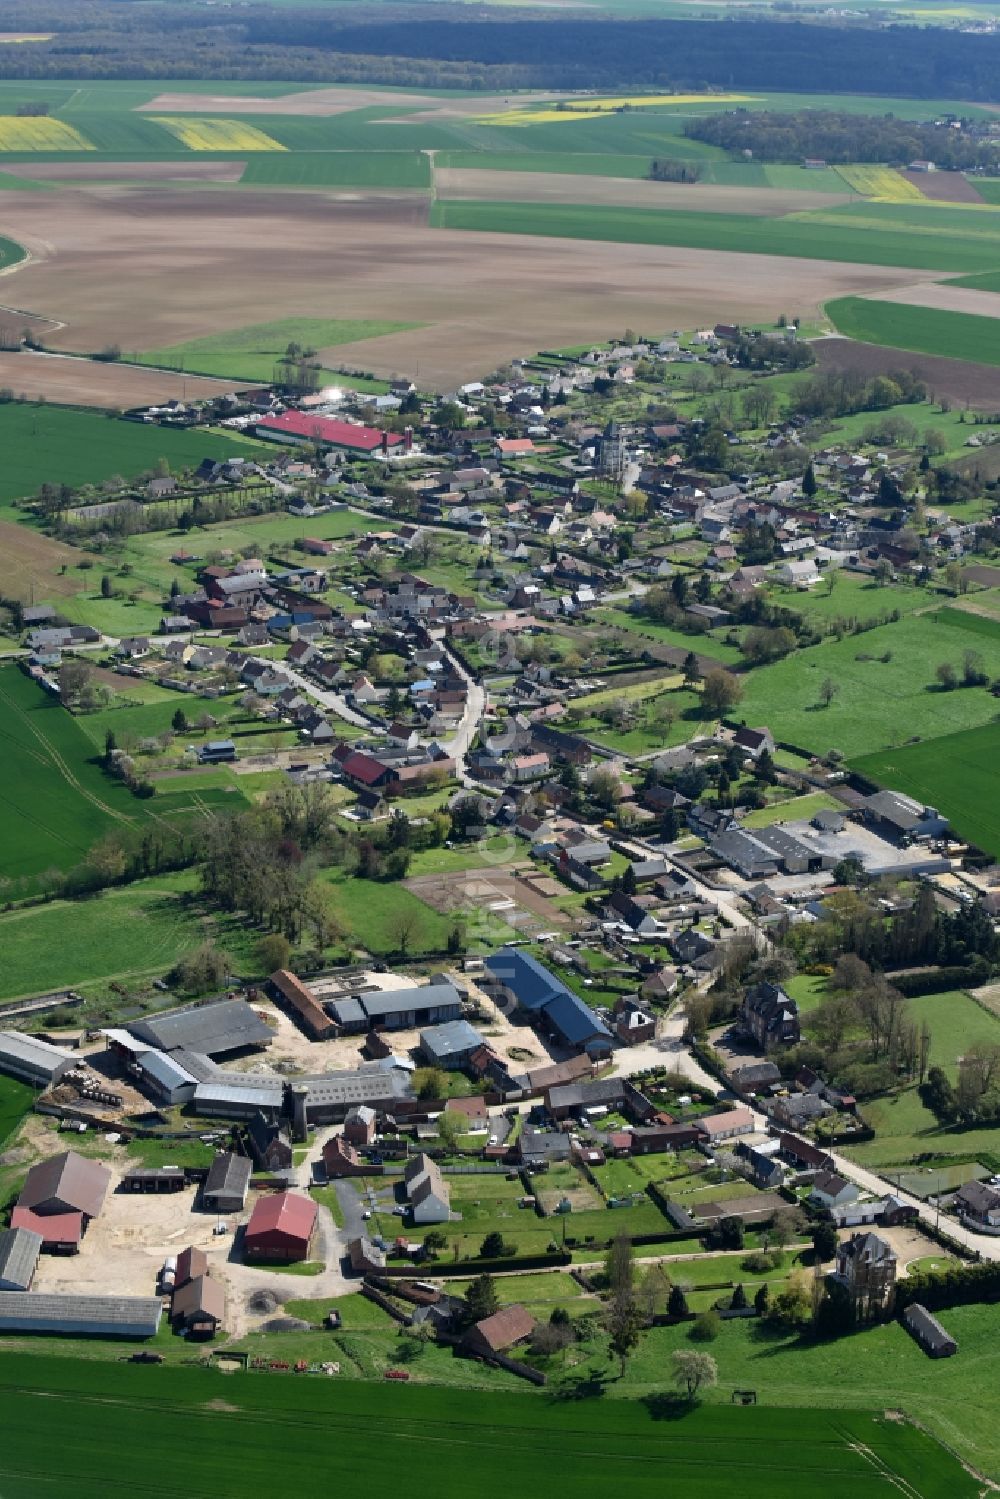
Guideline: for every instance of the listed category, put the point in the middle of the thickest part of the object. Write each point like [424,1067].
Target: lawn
[956,773]
[795,809]
[63,445]
[374,915]
[308,1437]
[904,1127]
[134,932]
[924,330]
[808,990]
[252,353]
[878,703]
[931,243]
[152,1152]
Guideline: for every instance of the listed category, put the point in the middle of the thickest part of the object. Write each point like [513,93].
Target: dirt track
[623,192]
[142,267]
[976,385]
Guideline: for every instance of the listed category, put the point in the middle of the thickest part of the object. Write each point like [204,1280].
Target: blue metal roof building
[450,1045]
[541,994]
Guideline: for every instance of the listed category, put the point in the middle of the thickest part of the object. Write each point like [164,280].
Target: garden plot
[565,1184]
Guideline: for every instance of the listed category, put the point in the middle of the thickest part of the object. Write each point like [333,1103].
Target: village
[494,652]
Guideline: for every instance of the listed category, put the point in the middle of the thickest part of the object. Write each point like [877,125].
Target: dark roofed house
[754,742]
[830,1190]
[199,1307]
[225,1188]
[979,1203]
[66,1183]
[770,1016]
[753,1075]
[803,1154]
[270,1143]
[493,1335]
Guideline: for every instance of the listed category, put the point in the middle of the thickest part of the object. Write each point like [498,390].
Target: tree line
[837,136]
[449,46]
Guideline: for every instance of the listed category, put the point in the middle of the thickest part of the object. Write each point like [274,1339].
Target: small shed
[508,1326]
[225,1189]
[932,1337]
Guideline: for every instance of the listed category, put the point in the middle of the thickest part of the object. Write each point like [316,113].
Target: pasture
[302,1436]
[58,802]
[924,330]
[955,772]
[886,688]
[128,934]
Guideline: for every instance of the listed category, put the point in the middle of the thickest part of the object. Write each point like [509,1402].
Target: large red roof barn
[280,1227]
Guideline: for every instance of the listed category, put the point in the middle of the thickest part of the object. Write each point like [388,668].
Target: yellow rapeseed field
[39,133]
[217,135]
[593,109]
[881,183]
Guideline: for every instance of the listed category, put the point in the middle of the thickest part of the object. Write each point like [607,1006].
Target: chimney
[385,444]
[299,1126]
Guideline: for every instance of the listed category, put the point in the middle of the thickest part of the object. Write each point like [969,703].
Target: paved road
[333,701]
[475,706]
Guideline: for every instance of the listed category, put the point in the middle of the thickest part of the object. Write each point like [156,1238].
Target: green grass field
[65,445]
[574,163]
[956,773]
[251,353]
[191,1431]
[337,169]
[929,243]
[57,800]
[904,1127]
[878,703]
[16,1099]
[923,330]
[136,932]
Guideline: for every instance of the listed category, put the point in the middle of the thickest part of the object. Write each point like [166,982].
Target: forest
[834,136]
[442,45]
